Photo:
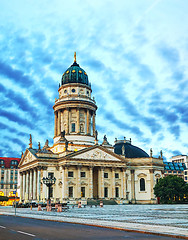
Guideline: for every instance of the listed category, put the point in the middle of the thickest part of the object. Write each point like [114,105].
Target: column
[68,119]
[59,122]
[113,182]
[102,182]
[55,123]
[90,182]
[31,185]
[78,120]
[93,123]
[78,182]
[132,186]
[34,183]
[24,183]
[65,182]
[62,125]
[21,186]
[151,183]
[88,132]
[38,184]
[27,186]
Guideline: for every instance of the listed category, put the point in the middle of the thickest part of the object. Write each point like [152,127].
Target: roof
[75,74]
[130,151]
[7,161]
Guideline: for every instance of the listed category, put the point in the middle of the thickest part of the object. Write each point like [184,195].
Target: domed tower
[75,110]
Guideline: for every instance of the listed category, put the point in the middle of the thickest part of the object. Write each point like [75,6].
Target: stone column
[62,125]
[91,182]
[93,123]
[78,182]
[21,186]
[59,123]
[27,186]
[102,182]
[66,182]
[68,119]
[133,187]
[55,123]
[151,183]
[39,184]
[30,185]
[113,182]
[45,188]
[88,130]
[24,183]
[78,120]
[34,184]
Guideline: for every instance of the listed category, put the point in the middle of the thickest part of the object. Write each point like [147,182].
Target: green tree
[171,189]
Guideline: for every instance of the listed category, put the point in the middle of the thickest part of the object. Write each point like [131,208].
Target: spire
[74,56]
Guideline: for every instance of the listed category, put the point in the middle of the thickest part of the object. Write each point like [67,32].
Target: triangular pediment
[27,158]
[97,153]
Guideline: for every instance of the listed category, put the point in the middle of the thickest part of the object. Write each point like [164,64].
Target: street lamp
[49,181]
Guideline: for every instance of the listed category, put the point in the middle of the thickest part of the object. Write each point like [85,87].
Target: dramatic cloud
[135,57]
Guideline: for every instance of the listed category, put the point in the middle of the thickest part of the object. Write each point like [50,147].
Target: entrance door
[95,182]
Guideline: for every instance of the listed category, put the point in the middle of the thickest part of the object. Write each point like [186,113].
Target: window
[185,178]
[73,90]
[15,186]
[16,172]
[117,192]
[105,175]
[157,180]
[73,127]
[105,192]
[2,186]
[70,174]
[82,191]
[83,174]
[70,191]
[11,186]
[116,175]
[142,184]
[185,172]
[50,174]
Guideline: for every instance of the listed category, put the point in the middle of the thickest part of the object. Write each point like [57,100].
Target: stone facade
[84,170]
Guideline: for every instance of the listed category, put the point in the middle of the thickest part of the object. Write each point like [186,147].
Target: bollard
[101,204]
[39,208]
[79,205]
[59,208]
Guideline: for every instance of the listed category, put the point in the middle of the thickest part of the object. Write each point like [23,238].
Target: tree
[171,189]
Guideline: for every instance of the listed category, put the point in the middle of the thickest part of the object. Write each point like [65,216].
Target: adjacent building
[8,175]
[85,170]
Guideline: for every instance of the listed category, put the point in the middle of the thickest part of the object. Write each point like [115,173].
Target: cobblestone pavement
[163,219]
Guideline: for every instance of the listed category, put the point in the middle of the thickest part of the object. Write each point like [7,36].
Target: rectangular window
[116,175]
[50,174]
[11,186]
[185,172]
[105,192]
[185,178]
[73,127]
[2,186]
[105,175]
[117,192]
[70,191]
[70,174]
[82,191]
[83,174]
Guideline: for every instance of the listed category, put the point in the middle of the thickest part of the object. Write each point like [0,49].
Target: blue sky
[134,52]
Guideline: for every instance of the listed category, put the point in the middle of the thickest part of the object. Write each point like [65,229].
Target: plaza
[171,220]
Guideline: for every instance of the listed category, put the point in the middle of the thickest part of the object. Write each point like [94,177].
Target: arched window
[142,184]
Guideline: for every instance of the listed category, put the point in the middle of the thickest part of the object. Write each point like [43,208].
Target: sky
[134,52]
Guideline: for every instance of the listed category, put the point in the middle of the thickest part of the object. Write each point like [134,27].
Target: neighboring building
[85,170]
[8,175]
[175,168]
[182,160]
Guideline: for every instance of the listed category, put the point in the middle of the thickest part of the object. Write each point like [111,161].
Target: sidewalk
[96,217]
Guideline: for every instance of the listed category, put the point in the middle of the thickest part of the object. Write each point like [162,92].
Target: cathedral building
[84,169]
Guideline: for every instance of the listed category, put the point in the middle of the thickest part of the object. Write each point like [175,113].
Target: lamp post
[49,181]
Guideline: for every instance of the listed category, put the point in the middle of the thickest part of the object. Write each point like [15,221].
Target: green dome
[75,74]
